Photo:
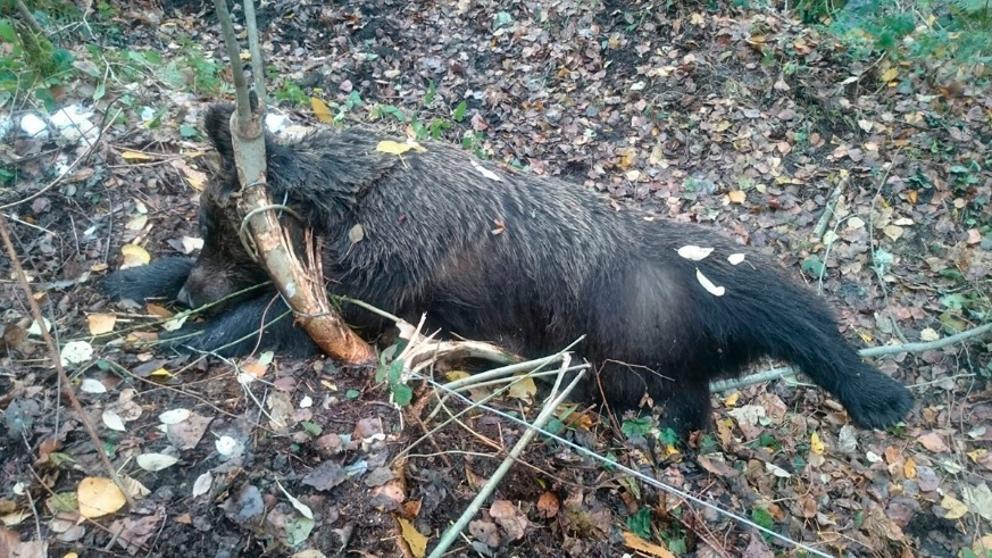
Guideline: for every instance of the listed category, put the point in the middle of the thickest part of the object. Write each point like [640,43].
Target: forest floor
[744,120]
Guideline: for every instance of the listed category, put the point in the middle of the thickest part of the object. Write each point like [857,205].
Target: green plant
[636,427]
[473,141]
[954,30]
[32,64]
[291,93]
[639,523]
[390,371]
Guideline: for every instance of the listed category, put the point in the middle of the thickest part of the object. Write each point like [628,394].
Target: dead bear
[527,262]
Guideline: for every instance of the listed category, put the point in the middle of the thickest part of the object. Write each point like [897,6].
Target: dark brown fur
[533,263]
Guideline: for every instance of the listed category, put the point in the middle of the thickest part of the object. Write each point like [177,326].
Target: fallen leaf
[954,508]
[98,496]
[396,148]
[155,461]
[816,444]
[202,484]
[415,541]
[736,259]
[890,74]
[75,352]
[708,285]
[548,504]
[89,385]
[694,253]
[737,196]
[134,256]
[136,223]
[101,323]
[523,388]
[933,442]
[979,498]
[136,156]
[321,111]
[196,179]
[631,540]
[35,329]
[486,172]
[304,509]
[509,518]
[325,476]
[113,421]
[356,234]
[226,445]
[134,487]
[893,231]
[174,416]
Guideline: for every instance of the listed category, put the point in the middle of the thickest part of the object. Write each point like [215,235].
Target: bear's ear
[218,125]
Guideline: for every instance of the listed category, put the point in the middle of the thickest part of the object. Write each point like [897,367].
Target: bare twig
[29,20]
[257,65]
[53,351]
[919,347]
[554,399]
[613,463]
[831,206]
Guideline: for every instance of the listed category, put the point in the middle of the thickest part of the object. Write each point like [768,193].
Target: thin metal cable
[633,472]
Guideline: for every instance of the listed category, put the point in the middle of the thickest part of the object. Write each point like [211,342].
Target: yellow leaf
[524,388]
[909,468]
[396,148]
[697,19]
[197,179]
[98,496]
[977,454]
[454,375]
[737,196]
[160,373]
[136,156]
[413,538]
[627,157]
[637,543]
[134,256]
[101,323]
[955,508]
[890,74]
[321,110]
[732,399]
[816,445]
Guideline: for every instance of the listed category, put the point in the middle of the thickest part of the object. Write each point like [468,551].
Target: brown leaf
[548,504]
[509,518]
[933,442]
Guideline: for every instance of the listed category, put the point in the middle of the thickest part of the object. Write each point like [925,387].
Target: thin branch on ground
[613,463]
[916,347]
[554,399]
[53,351]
